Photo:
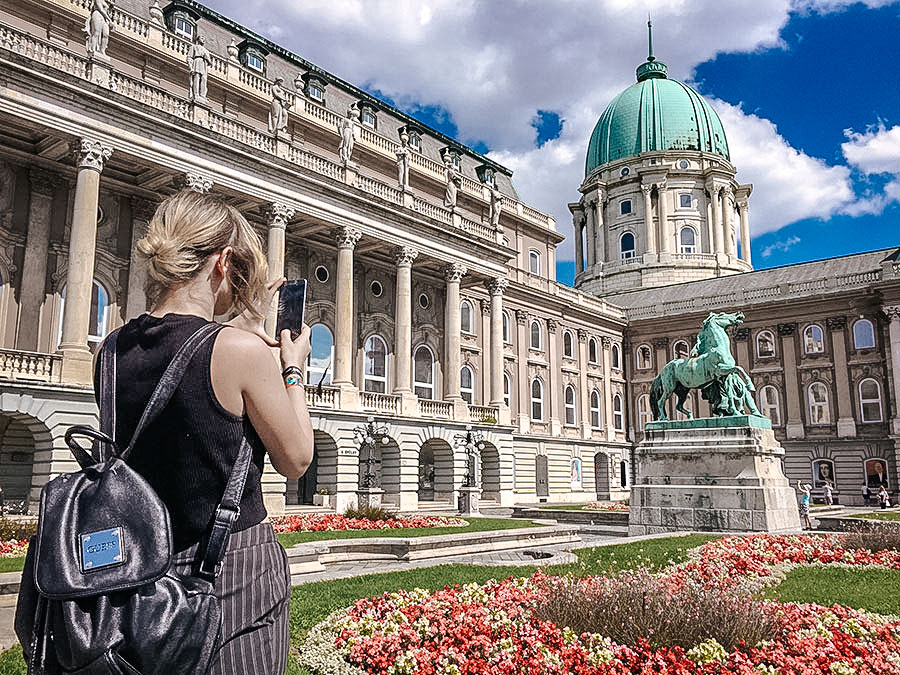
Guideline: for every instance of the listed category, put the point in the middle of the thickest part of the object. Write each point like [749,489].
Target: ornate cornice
[43,182]
[454,272]
[192,180]
[582,335]
[552,325]
[786,329]
[836,322]
[892,312]
[660,342]
[91,154]
[497,286]
[347,237]
[405,255]
[279,215]
[606,341]
[741,333]
[521,317]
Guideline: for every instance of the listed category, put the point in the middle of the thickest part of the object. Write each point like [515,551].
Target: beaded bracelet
[292,381]
[292,370]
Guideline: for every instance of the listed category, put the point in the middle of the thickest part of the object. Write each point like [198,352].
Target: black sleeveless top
[187,453]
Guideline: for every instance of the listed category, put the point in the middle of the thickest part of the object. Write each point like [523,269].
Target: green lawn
[879,515]
[869,589]
[12,565]
[288,539]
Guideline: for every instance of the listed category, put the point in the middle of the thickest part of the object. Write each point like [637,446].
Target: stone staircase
[596,523]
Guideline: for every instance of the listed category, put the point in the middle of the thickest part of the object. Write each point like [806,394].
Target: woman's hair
[186,229]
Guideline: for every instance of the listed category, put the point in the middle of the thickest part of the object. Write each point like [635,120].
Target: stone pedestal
[368,498]
[468,500]
[718,474]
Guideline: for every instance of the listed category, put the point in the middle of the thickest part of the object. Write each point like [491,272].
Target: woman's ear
[223,261]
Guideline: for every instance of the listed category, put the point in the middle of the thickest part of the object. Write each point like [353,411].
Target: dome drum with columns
[660,203]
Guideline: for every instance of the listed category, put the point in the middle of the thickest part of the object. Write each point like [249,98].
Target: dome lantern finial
[651,68]
[650,57]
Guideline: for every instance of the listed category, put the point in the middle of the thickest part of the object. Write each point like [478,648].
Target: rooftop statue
[712,369]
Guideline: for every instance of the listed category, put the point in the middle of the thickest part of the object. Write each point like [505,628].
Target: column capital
[405,255]
[661,342]
[42,181]
[552,325]
[742,203]
[836,322]
[582,335]
[521,317]
[347,237]
[485,307]
[191,180]
[786,329]
[279,215]
[92,154]
[646,189]
[454,272]
[497,286]
[661,185]
[606,341]
[741,333]
[143,209]
[892,312]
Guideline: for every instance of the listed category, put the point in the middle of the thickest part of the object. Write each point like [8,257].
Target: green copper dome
[656,113]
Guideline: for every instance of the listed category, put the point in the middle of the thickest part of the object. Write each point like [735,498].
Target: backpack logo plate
[102,549]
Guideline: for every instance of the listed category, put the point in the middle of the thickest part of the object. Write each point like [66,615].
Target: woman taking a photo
[205,260]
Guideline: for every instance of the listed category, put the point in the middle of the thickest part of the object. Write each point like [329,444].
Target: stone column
[522,343]
[846,424]
[607,388]
[585,395]
[892,312]
[453,274]
[34,265]
[649,230]
[728,222]
[667,240]
[73,345]
[794,424]
[600,237]
[496,287]
[347,238]
[744,207]
[142,211]
[578,220]
[278,216]
[553,393]
[403,320]
[716,227]
[486,342]
[591,246]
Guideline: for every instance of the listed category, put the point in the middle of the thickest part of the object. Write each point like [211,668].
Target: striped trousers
[254,588]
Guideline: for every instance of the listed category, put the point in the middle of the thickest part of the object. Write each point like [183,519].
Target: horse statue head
[724,319]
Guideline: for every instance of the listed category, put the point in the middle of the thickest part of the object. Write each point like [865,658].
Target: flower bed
[605,506]
[493,629]
[331,522]
[13,548]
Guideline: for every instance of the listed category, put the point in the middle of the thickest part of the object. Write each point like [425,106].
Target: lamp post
[368,435]
[472,442]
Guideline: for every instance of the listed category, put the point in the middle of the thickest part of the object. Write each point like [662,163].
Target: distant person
[827,489]
[804,504]
[866,494]
[884,500]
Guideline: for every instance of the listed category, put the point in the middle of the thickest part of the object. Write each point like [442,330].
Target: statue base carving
[367,498]
[718,474]
[468,500]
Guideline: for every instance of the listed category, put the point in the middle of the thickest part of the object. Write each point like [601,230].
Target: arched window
[765,344]
[769,404]
[687,240]
[595,409]
[623,473]
[863,334]
[535,334]
[534,262]
[423,372]
[681,350]
[869,400]
[568,345]
[618,414]
[507,332]
[593,351]
[467,384]
[616,357]
[375,365]
[507,388]
[537,400]
[626,246]
[644,413]
[98,325]
[813,339]
[466,317]
[570,406]
[817,395]
[321,355]
[644,357]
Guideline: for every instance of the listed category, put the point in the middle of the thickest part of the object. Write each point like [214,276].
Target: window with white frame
[593,351]
[817,396]
[813,339]
[616,357]
[681,349]
[98,325]
[685,201]
[507,388]
[770,405]
[863,334]
[368,118]
[423,372]
[618,413]
[467,384]
[255,62]
[644,413]
[535,334]
[568,345]
[183,27]
[537,400]
[595,409]
[626,246]
[466,317]
[625,207]
[321,355]
[534,262]
[869,400]
[375,365]
[644,357]
[765,344]
[687,240]
[507,329]
[570,406]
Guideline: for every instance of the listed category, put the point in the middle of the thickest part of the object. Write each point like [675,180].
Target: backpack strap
[108,386]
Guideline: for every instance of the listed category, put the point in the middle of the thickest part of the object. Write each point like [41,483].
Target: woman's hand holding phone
[294,352]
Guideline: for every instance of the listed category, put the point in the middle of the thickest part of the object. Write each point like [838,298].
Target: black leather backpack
[98,596]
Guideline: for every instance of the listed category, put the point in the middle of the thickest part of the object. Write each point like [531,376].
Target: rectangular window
[415,142]
[184,28]
[255,62]
[625,207]
[315,92]
[368,119]
[684,201]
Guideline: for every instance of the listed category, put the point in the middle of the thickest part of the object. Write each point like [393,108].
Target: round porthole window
[321,274]
[624,172]
[424,302]
[684,164]
[376,288]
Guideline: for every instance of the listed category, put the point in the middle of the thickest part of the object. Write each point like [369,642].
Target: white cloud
[782,246]
[875,151]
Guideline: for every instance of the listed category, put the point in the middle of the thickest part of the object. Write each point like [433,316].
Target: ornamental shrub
[17,529]
[370,513]
[636,604]
[873,535]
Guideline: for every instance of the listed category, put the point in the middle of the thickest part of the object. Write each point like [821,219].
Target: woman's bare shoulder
[237,343]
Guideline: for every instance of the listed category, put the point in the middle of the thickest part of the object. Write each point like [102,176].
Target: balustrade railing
[439,409]
[858,278]
[483,413]
[384,403]
[42,52]
[387,192]
[324,398]
[152,96]
[34,366]
[426,208]
[315,163]
[243,133]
